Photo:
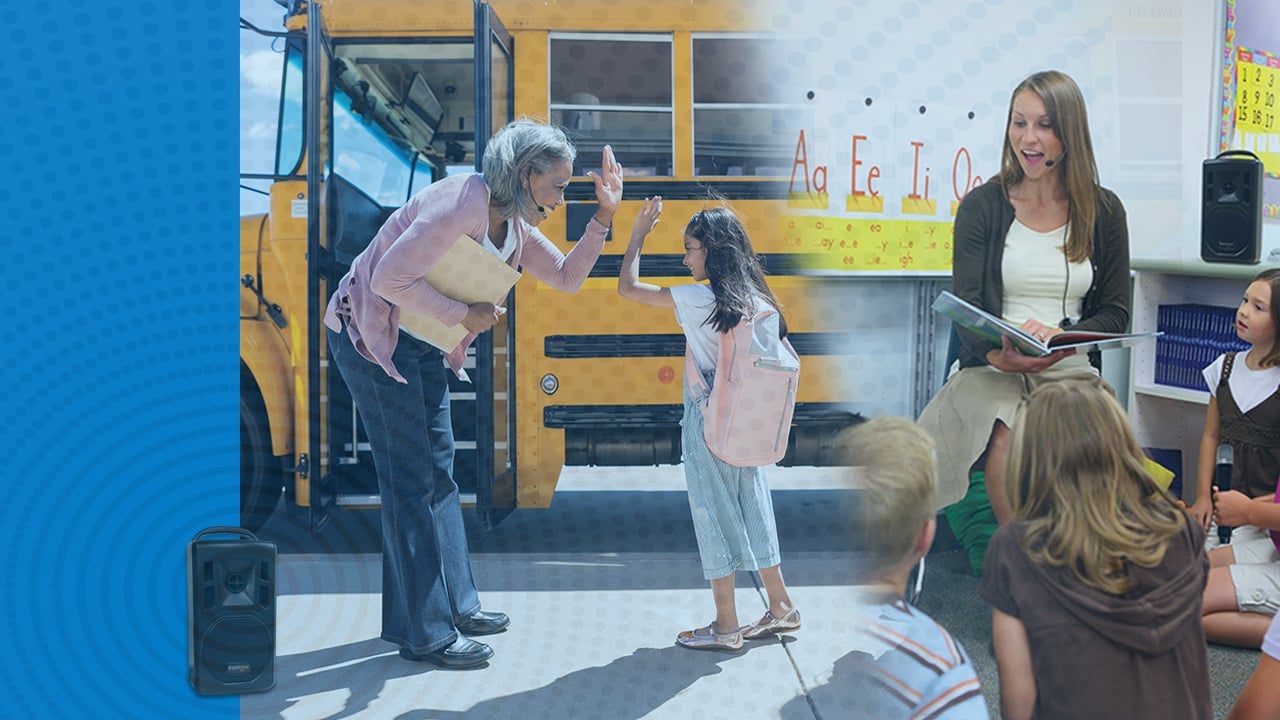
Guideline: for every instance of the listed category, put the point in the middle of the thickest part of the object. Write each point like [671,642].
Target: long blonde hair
[1065,105]
[1076,479]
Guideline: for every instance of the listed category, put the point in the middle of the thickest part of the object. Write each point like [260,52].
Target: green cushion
[972,521]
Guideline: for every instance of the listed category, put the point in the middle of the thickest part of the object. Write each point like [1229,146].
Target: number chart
[1250,71]
[1257,115]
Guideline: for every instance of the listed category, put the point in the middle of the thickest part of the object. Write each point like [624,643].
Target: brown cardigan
[982,223]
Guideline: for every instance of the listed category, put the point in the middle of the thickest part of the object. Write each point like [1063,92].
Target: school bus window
[394,105]
[616,89]
[746,104]
[289,147]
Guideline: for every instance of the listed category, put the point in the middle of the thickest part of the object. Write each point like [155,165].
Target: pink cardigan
[387,275]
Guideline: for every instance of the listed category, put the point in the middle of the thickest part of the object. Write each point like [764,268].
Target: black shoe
[463,653]
[483,623]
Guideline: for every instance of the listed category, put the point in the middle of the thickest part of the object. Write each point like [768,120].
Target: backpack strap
[692,377]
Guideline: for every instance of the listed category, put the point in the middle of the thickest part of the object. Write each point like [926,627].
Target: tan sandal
[706,638]
[770,625]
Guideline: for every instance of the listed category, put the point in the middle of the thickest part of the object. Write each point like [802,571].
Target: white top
[1038,281]
[1248,387]
[508,246]
[1271,643]
[694,304]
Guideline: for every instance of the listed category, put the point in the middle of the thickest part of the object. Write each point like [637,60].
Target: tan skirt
[960,416]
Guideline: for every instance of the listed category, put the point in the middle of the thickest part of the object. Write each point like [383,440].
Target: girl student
[732,509]
[1096,580]
[1244,412]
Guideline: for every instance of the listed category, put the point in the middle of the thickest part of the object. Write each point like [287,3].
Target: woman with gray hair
[429,599]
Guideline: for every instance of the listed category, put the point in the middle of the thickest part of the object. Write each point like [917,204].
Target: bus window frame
[771,105]
[590,141]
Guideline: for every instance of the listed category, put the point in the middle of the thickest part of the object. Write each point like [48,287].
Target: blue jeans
[426,571]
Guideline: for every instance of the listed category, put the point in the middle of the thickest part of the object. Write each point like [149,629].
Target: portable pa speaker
[1231,214]
[231,612]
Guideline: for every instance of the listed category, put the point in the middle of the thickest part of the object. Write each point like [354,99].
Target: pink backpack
[747,416]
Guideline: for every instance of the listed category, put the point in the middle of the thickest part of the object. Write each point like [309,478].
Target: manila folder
[467,273]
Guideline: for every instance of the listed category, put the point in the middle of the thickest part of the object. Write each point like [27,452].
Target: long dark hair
[732,267]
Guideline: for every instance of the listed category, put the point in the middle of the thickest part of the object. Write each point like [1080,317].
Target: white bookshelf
[1165,416]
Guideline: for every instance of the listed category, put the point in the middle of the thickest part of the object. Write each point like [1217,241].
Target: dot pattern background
[122,335]
[121,236]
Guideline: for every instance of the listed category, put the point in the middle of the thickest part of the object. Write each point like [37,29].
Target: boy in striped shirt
[904,665]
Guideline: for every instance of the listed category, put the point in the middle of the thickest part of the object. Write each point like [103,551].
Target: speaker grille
[1231,211]
[237,649]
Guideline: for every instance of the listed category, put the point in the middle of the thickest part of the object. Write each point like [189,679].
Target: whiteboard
[939,73]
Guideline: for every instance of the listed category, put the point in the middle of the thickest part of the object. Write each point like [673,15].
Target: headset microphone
[1049,163]
[1222,479]
[542,210]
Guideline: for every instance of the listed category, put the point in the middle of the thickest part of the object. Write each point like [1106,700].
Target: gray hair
[512,153]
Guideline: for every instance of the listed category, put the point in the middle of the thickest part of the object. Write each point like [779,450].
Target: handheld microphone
[1222,479]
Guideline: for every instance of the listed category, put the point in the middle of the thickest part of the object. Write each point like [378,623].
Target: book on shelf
[467,273]
[993,328]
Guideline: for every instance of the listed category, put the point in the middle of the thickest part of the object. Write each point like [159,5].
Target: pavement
[597,587]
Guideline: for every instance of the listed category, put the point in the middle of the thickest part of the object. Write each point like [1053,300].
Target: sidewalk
[593,630]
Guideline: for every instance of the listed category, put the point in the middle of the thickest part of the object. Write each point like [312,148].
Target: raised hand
[608,186]
[647,218]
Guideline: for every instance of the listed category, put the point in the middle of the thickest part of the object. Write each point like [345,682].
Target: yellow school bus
[382,97]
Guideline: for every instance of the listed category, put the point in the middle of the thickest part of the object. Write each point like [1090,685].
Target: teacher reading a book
[429,602]
[1044,246]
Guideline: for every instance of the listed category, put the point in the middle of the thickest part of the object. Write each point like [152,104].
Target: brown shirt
[1096,655]
[1254,437]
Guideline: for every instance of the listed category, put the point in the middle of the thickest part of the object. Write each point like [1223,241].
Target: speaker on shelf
[231,612]
[1231,210]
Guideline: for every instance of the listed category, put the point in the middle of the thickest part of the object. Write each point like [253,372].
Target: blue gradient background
[120,139]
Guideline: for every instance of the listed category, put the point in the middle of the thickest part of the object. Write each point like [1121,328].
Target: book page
[993,328]
[467,273]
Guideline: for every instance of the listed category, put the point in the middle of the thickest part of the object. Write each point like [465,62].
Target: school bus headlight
[550,384]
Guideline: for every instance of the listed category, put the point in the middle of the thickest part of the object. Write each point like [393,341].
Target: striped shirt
[906,665]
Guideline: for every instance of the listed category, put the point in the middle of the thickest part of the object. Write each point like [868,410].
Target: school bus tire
[262,478]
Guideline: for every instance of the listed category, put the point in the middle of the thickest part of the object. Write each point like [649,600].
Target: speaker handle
[1245,153]
[224,530]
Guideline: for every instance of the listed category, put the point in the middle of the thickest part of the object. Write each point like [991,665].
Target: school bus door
[482,410]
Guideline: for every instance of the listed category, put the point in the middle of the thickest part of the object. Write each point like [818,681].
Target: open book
[467,273]
[992,328]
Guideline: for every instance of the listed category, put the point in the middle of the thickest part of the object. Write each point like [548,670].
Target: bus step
[358,501]
[351,502]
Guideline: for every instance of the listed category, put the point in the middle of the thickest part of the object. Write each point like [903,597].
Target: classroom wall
[1150,73]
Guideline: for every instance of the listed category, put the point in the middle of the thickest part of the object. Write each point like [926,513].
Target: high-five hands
[647,218]
[608,186]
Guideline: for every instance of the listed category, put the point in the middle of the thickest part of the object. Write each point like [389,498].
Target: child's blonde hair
[1077,480]
[898,489]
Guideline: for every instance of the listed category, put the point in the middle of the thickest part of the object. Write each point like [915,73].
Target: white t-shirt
[1037,280]
[1271,643]
[694,304]
[508,245]
[1248,387]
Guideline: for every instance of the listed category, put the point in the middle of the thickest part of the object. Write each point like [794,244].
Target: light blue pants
[732,507]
